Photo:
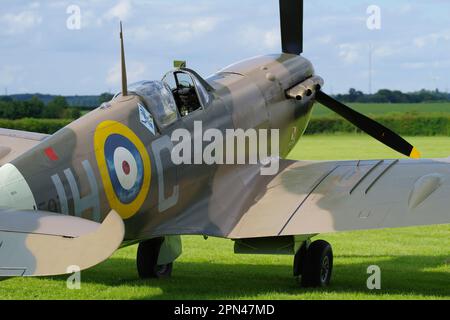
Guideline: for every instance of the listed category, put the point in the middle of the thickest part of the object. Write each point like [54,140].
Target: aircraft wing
[34,243]
[13,143]
[324,197]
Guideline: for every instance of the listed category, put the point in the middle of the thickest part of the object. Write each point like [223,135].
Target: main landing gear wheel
[317,265]
[147,260]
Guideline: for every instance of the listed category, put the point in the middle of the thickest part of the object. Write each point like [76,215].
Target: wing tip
[40,254]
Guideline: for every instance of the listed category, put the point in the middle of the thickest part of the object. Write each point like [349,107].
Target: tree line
[57,108]
[393,96]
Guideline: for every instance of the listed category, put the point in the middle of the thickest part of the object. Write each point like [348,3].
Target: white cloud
[121,11]
[11,24]
[406,8]
[203,25]
[427,65]
[354,52]
[259,39]
[414,65]
[10,75]
[323,40]
[34,5]
[272,39]
[186,31]
[211,34]
[88,18]
[350,52]
[384,51]
[432,39]
[135,72]
[139,34]
[178,32]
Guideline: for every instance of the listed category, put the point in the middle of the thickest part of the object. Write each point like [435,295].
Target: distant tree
[35,107]
[3,107]
[75,113]
[71,113]
[12,110]
[55,108]
[393,96]
[6,99]
[354,95]
[105,97]
[20,110]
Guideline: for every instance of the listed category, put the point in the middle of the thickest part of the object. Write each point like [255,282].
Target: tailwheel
[317,265]
[147,260]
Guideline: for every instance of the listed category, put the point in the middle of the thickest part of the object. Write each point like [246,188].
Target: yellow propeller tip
[415,154]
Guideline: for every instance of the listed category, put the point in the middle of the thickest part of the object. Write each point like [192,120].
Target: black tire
[318,265]
[147,260]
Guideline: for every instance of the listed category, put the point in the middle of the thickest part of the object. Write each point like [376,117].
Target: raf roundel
[124,167]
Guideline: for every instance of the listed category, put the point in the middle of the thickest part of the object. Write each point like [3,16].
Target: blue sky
[38,53]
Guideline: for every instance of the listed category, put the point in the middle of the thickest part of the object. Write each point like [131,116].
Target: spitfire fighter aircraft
[108,180]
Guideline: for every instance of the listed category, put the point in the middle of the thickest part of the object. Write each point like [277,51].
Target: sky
[43,49]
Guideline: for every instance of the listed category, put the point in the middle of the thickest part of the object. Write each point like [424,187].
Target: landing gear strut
[314,264]
[147,260]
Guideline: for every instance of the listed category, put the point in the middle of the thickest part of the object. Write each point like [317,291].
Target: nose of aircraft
[15,192]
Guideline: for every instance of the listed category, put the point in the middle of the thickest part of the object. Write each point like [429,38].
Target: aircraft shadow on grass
[401,275]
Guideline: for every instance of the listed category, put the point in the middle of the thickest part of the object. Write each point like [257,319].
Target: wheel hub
[325,269]
[161,269]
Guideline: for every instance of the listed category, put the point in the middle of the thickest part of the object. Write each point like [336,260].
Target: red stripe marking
[51,154]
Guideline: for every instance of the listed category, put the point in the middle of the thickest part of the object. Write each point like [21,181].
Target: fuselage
[80,170]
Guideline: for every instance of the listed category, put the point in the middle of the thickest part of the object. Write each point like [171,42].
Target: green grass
[386,108]
[415,262]
[351,147]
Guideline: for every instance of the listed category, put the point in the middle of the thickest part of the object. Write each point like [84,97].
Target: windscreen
[159,100]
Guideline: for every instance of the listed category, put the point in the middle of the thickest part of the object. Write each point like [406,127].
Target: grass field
[386,108]
[415,262]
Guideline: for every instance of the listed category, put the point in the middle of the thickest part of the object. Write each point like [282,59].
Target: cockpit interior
[180,93]
[184,91]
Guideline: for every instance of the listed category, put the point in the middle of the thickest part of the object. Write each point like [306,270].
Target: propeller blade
[369,126]
[291,17]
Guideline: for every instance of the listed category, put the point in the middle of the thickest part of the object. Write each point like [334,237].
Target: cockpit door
[189,92]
